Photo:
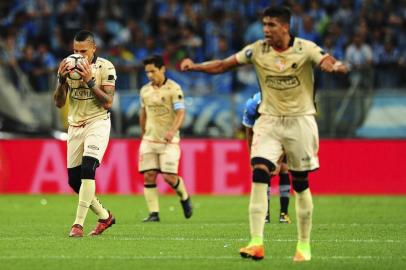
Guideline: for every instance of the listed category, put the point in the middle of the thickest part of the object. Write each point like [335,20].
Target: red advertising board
[208,167]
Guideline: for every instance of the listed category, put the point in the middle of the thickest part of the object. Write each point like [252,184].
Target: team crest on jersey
[299,47]
[280,63]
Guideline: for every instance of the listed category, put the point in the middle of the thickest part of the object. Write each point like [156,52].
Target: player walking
[89,126]
[162,114]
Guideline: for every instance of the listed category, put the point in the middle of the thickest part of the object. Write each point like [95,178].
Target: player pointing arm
[284,68]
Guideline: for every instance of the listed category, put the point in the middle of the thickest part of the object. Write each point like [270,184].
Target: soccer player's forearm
[213,66]
[249,134]
[60,95]
[142,119]
[177,123]
[104,97]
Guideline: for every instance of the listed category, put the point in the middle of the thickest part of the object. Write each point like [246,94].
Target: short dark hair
[281,12]
[156,60]
[83,35]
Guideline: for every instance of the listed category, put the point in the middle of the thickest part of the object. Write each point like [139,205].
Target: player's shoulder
[145,88]
[304,43]
[173,85]
[254,45]
[104,62]
[259,44]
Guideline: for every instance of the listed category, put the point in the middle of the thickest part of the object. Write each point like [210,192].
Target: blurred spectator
[387,58]
[70,19]
[359,58]
[46,69]
[308,31]
[103,37]
[331,81]
[125,63]
[254,32]
[345,17]
[296,20]
[217,25]
[9,56]
[130,30]
[222,83]
[168,8]
[316,13]
[192,43]
[31,66]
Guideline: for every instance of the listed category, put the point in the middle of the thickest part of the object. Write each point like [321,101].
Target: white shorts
[90,140]
[296,136]
[163,157]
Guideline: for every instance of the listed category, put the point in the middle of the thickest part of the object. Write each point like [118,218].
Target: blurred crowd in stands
[370,35]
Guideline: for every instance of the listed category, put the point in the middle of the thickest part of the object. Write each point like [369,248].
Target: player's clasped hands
[85,70]
[63,68]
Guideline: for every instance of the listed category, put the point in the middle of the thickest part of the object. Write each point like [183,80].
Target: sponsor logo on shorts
[93,147]
[282,82]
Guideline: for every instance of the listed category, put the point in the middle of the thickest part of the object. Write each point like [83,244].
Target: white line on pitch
[170,257]
[162,224]
[126,238]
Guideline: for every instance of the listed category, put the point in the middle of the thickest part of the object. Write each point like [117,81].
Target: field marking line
[170,257]
[238,224]
[215,239]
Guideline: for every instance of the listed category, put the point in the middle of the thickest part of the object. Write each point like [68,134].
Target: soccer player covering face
[249,117]
[284,67]
[89,127]
[162,114]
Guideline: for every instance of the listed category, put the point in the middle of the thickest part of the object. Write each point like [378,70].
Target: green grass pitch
[352,232]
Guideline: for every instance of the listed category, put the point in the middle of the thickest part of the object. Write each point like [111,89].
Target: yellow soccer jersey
[83,105]
[285,78]
[160,105]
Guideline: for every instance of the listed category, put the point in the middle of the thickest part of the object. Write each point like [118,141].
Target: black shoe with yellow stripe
[284,218]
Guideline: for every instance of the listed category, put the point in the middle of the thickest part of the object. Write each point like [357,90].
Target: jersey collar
[290,44]
[94,59]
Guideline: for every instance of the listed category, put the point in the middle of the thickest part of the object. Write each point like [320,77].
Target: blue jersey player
[250,115]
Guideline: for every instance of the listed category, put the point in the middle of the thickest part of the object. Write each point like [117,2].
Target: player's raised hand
[63,69]
[186,64]
[85,70]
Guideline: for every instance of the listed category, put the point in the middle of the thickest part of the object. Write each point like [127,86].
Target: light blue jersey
[251,110]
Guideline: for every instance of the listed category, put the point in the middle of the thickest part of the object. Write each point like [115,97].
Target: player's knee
[260,175]
[74,178]
[300,181]
[170,178]
[150,177]
[89,166]
[263,161]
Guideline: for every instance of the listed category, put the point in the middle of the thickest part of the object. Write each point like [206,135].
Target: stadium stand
[369,35]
